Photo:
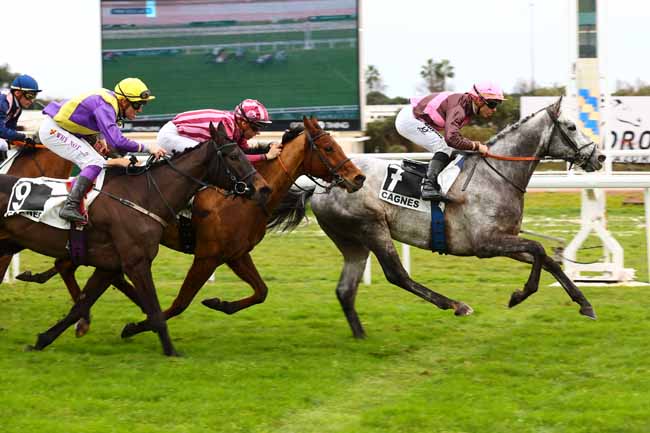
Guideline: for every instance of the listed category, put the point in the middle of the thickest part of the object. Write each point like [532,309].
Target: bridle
[239,186]
[333,170]
[577,156]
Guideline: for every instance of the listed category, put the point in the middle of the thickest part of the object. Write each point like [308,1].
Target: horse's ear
[556,108]
[307,122]
[213,132]
[315,120]
[222,135]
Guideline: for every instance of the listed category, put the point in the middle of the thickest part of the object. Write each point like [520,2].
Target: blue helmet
[26,83]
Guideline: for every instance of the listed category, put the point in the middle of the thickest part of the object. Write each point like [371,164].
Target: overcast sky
[502,40]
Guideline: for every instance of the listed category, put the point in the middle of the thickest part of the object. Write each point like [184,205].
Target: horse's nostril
[359,179]
[601,158]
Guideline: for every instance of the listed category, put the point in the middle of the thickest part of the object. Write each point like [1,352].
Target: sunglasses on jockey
[491,103]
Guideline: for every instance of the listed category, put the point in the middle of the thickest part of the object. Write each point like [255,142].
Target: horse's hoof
[30,348]
[129,330]
[588,311]
[81,328]
[25,276]
[463,309]
[214,303]
[515,298]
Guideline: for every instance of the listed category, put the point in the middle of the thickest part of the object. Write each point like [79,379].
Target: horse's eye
[329,149]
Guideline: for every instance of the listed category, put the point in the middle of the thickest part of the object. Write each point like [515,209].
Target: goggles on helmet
[29,95]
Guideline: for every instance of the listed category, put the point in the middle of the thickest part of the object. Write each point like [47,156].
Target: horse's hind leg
[245,269]
[376,237]
[355,257]
[395,273]
[554,269]
[95,287]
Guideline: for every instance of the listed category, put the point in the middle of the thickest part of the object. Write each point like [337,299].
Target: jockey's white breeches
[169,139]
[68,146]
[4,146]
[419,132]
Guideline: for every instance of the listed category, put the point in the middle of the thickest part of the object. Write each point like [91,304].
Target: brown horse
[313,153]
[125,239]
[34,161]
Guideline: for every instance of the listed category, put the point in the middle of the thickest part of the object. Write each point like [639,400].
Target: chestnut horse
[34,161]
[126,223]
[314,153]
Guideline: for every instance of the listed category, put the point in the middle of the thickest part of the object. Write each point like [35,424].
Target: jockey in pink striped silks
[426,117]
[245,122]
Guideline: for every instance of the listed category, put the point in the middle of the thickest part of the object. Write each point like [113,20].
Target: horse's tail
[291,210]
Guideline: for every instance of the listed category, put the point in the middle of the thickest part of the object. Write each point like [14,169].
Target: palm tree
[435,74]
[374,82]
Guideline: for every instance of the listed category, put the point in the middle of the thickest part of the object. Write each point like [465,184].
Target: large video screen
[298,57]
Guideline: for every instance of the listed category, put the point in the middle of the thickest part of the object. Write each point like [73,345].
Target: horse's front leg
[138,269]
[245,269]
[530,251]
[95,287]
[572,290]
[377,238]
[511,246]
[196,277]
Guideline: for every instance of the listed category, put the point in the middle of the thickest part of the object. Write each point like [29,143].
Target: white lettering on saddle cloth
[41,198]
[402,188]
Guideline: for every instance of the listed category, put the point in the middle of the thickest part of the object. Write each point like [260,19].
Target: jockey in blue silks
[20,95]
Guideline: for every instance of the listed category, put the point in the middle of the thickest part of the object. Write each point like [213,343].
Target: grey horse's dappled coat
[483,219]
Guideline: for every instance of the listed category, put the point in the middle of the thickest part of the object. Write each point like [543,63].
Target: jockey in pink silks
[245,122]
[426,119]
[69,126]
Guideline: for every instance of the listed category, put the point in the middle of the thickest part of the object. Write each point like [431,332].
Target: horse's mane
[508,129]
[292,133]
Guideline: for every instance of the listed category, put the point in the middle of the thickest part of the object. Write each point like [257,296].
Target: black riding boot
[430,186]
[70,210]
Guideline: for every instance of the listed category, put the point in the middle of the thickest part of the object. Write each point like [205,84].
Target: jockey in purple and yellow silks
[424,121]
[67,123]
[20,95]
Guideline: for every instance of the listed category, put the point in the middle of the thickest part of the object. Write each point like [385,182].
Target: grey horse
[483,218]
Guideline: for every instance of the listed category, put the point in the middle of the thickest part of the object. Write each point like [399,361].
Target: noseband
[577,155]
[238,186]
[337,179]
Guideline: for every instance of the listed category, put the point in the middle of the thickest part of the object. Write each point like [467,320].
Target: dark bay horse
[313,153]
[483,219]
[34,161]
[123,239]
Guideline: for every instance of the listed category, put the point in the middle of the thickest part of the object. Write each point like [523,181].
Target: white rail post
[367,273]
[646,204]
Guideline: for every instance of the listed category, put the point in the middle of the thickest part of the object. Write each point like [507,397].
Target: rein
[565,139]
[239,185]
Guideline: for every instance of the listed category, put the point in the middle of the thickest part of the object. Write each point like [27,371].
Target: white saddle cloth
[41,198]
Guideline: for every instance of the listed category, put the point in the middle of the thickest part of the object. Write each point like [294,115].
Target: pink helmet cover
[488,89]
